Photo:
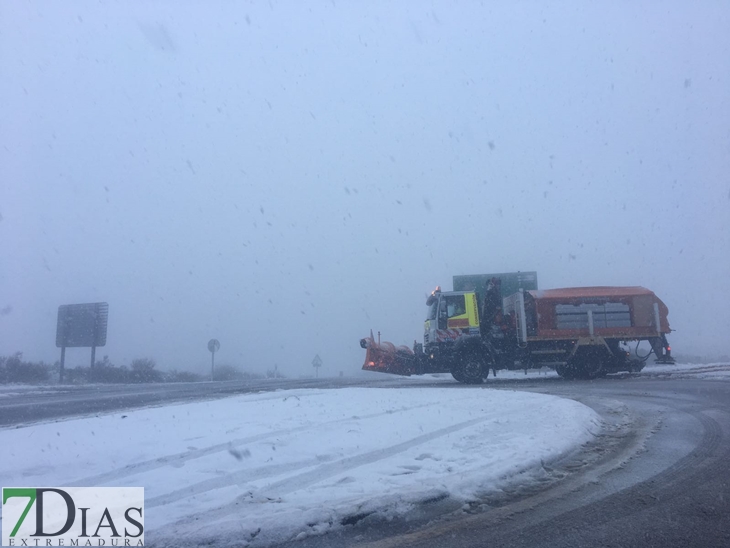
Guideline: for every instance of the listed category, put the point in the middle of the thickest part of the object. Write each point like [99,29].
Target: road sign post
[317,363]
[81,325]
[213,346]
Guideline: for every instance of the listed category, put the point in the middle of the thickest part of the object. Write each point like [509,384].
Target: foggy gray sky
[285,176]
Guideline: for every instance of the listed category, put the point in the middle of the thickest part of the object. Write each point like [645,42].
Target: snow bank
[710,371]
[272,466]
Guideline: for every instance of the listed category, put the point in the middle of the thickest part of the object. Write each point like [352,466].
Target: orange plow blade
[385,357]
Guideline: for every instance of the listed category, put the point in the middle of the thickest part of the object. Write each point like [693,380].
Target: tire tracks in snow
[240,478]
[178,460]
[286,486]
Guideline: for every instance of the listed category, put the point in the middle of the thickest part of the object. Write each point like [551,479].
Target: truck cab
[451,315]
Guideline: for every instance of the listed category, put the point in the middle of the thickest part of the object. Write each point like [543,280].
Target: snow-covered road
[267,467]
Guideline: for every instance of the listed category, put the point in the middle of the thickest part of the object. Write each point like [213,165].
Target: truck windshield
[455,305]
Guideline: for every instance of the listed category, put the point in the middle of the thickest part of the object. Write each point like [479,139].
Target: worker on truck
[492,303]
[495,325]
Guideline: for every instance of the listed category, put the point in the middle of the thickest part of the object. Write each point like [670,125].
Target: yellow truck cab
[450,315]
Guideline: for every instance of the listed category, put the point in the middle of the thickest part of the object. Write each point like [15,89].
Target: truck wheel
[589,363]
[636,365]
[587,366]
[565,371]
[470,367]
[456,373]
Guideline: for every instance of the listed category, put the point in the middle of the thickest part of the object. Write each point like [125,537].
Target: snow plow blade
[385,357]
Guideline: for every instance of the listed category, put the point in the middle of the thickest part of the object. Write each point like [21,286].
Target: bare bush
[14,369]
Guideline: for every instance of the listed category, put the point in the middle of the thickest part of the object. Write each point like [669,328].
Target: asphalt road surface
[658,476]
[28,405]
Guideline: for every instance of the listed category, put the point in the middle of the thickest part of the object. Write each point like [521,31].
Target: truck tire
[636,365]
[456,373]
[588,364]
[565,371]
[469,367]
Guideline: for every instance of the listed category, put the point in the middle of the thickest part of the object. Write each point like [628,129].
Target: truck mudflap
[385,357]
[662,350]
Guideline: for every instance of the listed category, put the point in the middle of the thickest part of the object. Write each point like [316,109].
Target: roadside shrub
[274,374]
[143,370]
[14,369]
[108,373]
[76,375]
[226,373]
[181,376]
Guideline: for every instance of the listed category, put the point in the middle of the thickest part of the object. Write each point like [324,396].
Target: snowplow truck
[580,332]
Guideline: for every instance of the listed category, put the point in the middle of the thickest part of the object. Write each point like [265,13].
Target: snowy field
[260,468]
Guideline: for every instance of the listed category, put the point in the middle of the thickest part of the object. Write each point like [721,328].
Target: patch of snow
[262,468]
[711,371]
[9,390]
